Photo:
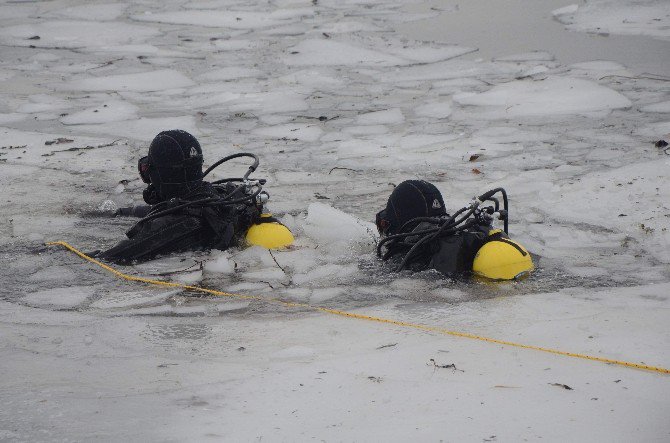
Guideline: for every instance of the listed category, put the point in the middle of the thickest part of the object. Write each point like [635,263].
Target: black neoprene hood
[409,200]
[175,163]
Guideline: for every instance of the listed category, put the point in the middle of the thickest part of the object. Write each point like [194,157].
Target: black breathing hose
[252,168]
[218,201]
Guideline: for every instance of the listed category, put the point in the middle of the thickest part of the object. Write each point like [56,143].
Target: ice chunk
[323,294]
[188,278]
[570,9]
[144,50]
[329,52]
[540,69]
[75,34]
[265,275]
[111,111]
[101,12]
[310,133]
[533,56]
[425,54]
[599,65]
[252,257]
[345,27]
[638,192]
[229,73]
[434,110]
[661,107]
[311,77]
[60,298]
[141,82]
[387,117]
[220,263]
[24,224]
[132,299]
[226,18]
[143,128]
[234,45]
[325,224]
[655,130]
[12,118]
[328,272]
[294,352]
[648,17]
[552,96]
[269,102]
[366,130]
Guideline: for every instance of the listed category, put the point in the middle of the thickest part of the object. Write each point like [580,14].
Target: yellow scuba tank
[502,259]
[269,233]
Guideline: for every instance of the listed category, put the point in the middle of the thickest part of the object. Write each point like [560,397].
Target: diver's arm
[160,236]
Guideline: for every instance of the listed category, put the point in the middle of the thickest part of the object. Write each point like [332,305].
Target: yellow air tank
[269,234]
[502,259]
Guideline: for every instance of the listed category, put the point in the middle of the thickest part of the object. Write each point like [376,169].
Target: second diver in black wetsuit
[417,234]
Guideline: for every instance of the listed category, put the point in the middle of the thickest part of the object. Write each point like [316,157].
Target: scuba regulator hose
[249,197]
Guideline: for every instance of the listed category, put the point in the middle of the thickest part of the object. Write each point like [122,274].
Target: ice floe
[552,96]
[74,34]
[648,17]
[140,82]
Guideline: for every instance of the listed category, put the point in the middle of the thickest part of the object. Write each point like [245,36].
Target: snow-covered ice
[342,100]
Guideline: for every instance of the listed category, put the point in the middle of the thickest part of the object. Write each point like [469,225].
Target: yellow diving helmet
[269,233]
[502,259]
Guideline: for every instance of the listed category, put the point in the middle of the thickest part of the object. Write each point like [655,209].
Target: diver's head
[174,164]
[409,200]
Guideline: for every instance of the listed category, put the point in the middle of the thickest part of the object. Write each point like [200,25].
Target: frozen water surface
[341,100]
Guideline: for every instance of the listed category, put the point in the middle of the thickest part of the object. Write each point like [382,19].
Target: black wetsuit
[452,255]
[170,226]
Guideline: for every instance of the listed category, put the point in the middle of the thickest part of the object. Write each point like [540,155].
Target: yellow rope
[358,316]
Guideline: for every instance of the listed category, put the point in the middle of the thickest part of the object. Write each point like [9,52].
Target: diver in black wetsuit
[417,234]
[185,212]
